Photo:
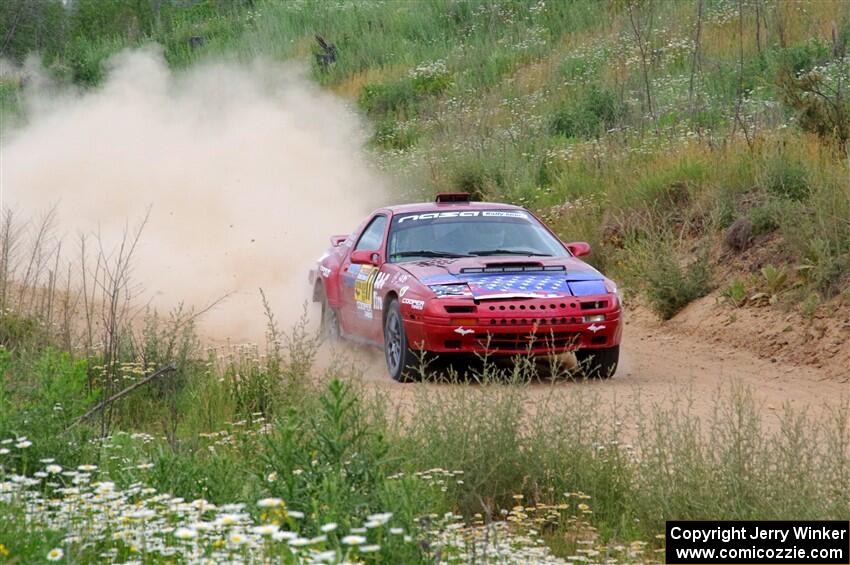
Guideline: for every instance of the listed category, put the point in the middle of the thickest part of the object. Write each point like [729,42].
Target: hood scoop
[515,267]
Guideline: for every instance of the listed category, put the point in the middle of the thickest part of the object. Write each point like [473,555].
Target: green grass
[339,453]
[654,267]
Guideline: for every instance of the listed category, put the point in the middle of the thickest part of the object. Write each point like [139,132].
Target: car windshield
[469,233]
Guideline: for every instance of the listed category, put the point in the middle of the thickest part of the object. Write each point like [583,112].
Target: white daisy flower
[185,533]
[265,529]
[227,519]
[269,502]
[326,556]
[381,518]
[284,536]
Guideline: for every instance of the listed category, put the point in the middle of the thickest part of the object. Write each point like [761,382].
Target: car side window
[373,235]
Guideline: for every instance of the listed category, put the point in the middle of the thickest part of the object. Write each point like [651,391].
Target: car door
[359,316]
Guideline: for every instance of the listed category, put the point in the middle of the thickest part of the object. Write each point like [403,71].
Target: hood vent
[514,268]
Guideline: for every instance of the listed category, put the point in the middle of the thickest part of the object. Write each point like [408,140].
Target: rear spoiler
[337,240]
[453,197]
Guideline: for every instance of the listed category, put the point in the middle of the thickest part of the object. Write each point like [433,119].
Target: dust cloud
[246,169]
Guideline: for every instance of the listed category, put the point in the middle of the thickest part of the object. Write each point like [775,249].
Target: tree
[641,16]
[31,25]
[819,96]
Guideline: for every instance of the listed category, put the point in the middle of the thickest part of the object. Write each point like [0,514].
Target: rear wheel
[400,359]
[329,328]
[598,363]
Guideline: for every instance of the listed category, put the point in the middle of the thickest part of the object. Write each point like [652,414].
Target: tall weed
[654,266]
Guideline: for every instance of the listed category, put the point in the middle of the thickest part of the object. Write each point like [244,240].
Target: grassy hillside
[695,144]
[674,136]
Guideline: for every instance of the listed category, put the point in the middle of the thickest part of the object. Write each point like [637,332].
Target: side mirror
[579,248]
[338,239]
[366,257]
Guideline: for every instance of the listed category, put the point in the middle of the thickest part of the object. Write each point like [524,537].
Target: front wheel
[598,363]
[400,359]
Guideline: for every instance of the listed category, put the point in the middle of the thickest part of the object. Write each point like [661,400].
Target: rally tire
[598,363]
[329,328]
[401,361]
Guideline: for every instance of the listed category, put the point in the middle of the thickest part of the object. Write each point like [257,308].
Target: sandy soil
[663,361]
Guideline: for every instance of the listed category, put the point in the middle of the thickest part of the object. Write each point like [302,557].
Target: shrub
[826,265]
[596,112]
[669,285]
[672,287]
[266,382]
[818,99]
[459,430]
[803,57]
[219,477]
[9,90]
[579,67]
[766,218]
[736,293]
[330,456]
[430,78]
[18,331]
[741,473]
[383,98]
[575,122]
[391,134]
[44,404]
[724,211]
[775,279]
[402,95]
[664,185]
[603,104]
[471,177]
[86,58]
[785,176]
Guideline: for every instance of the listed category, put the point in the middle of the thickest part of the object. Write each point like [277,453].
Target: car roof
[448,206]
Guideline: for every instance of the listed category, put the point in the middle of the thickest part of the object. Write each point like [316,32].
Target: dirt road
[660,363]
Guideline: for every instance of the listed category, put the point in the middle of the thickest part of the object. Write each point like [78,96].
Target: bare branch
[118,395]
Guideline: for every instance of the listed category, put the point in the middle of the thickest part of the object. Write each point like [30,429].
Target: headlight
[614,289]
[450,290]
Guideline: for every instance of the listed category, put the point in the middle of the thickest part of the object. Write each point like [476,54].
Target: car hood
[485,278]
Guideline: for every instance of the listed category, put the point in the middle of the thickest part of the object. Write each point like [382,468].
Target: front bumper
[511,327]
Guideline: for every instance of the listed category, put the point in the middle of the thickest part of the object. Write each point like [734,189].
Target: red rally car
[461,277]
